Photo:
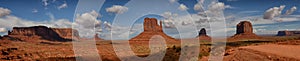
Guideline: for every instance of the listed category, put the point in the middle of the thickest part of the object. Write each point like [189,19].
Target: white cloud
[172,20]
[107,25]
[86,23]
[198,6]
[273,12]
[64,5]
[259,20]
[45,2]
[169,15]
[291,11]
[172,1]
[2,30]
[217,7]
[117,9]
[88,20]
[121,32]
[169,19]
[18,22]
[182,7]
[4,12]
[34,11]
[168,23]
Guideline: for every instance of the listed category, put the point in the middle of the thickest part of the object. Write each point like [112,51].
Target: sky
[123,19]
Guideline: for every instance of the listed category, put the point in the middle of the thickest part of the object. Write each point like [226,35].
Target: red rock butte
[203,36]
[151,28]
[34,33]
[244,30]
[288,33]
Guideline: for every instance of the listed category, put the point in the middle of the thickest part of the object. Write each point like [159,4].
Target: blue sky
[49,12]
[24,9]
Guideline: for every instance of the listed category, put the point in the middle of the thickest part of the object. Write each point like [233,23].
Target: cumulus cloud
[88,20]
[107,25]
[168,15]
[117,9]
[4,12]
[64,5]
[3,30]
[87,23]
[217,7]
[182,7]
[123,32]
[273,12]
[45,2]
[169,19]
[288,12]
[18,22]
[169,23]
[173,20]
[198,6]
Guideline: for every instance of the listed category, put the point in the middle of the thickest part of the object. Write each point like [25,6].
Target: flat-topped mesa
[67,33]
[35,32]
[244,30]
[151,28]
[203,36]
[150,25]
[288,33]
[42,32]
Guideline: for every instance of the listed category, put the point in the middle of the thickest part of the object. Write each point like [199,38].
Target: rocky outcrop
[244,27]
[97,37]
[151,28]
[203,36]
[244,30]
[66,32]
[35,33]
[288,33]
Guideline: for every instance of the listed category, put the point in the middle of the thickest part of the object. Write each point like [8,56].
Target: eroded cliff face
[42,33]
[288,33]
[244,30]
[203,36]
[151,28]
[66,32]
[244,27]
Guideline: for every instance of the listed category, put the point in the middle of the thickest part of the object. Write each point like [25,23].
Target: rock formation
[244,30]
[66,32]
[97,37]
[288,33]
[42,33]
[151,28]
[203,36]
[244,27]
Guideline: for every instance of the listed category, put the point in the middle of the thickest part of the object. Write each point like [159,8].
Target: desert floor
[268,49]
